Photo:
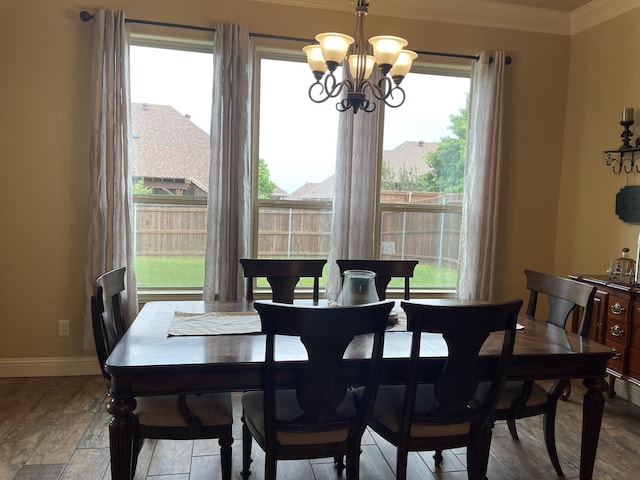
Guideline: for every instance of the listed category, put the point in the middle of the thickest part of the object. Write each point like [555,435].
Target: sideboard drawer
[619,357]
[618,331]
[619,309]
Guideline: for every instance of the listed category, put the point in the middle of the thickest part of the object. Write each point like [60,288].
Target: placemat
[214,323]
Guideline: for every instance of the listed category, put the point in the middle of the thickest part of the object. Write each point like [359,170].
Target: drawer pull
[615,354]
[616,331]
[617,309]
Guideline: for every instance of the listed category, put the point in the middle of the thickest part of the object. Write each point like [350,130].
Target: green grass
[189,272]
[170,271]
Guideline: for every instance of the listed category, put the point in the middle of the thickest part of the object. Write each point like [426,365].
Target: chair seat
[288,409]
[212,409]
[388,410]
[513,390]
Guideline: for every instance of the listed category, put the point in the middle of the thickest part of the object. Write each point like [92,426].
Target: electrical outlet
[63,328]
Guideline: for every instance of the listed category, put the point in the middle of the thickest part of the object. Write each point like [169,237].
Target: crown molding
[599,11]
[484,13]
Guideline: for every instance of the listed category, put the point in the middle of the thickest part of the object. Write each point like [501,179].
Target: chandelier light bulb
[402,65]
[386,48]
[315,60]
[334,46]
[356,67]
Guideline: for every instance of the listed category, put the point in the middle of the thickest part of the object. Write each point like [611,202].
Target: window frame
[281,54]
[265,49]
[153,293]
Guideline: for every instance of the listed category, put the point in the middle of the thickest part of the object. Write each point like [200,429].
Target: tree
[407,179]
[140,189]
[447,163]
[265,185]
[448,160]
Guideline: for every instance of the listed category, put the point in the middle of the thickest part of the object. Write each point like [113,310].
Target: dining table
[169,349]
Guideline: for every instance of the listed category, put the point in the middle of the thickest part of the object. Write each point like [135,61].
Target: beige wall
[45,61]
[604,77]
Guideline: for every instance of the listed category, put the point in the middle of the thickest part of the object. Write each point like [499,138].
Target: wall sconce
[626,157]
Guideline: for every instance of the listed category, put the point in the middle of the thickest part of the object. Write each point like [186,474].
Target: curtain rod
[85,16]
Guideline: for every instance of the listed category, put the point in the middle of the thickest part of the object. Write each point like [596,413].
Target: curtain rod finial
[85,16]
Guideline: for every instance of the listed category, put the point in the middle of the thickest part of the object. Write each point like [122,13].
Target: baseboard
[49,366]
[627,390]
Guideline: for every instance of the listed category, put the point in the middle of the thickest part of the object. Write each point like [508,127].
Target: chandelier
[393,62]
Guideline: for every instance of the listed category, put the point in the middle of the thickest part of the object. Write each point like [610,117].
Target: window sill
[194,293]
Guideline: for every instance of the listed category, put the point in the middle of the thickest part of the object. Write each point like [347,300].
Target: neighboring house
[172,156]
[408,156]
[279,194]
[314,191]
[171,152]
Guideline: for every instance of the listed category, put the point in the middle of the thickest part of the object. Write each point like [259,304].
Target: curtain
[228,211]
[354,199]
[111,239]
[482,179]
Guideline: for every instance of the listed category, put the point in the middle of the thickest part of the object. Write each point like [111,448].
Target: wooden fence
[165,230]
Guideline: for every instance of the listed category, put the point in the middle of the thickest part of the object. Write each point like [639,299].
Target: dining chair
[442,408]
[521,399]
[385,270]
[283,275]
[317,417]
[175,417]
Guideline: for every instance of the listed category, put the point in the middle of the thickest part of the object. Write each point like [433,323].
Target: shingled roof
[408,155]
[315,191]
[168,145]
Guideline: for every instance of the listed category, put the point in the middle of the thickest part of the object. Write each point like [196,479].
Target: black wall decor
[628,204]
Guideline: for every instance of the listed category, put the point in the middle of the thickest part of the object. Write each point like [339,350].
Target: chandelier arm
[391,100]
[329,89]
[334,89]
[385,87]
[343,105]
[368,106]
[317,97]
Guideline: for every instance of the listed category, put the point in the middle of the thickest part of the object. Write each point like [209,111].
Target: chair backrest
[465,328]
[563,295]
[385,270]
[283,276]
[107,316]
[326,333]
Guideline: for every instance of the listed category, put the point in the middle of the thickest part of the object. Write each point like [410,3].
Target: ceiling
[562,17]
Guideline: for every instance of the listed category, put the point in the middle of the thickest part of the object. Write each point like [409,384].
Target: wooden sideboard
[615,323]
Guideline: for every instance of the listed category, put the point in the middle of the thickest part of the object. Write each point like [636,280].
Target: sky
[297,136]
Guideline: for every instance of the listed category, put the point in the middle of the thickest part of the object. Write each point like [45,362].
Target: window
[420,203]
[297,156]
[422,163]
[170,118]
[424,151]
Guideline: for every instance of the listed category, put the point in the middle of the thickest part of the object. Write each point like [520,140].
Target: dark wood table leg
[121,438]
[591,420]
[612,390]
